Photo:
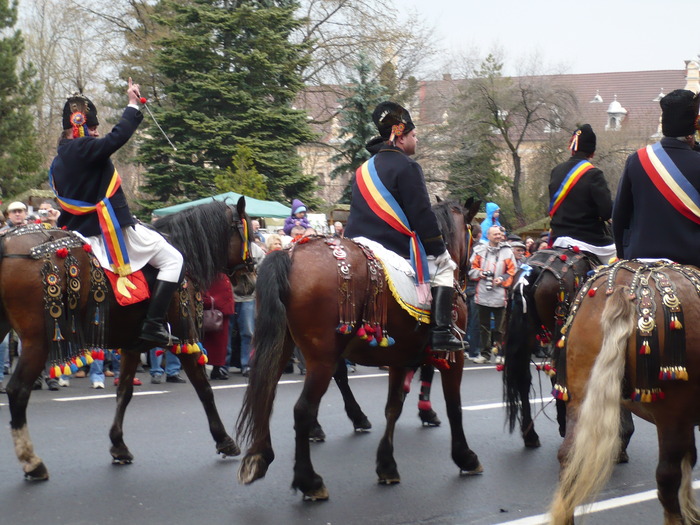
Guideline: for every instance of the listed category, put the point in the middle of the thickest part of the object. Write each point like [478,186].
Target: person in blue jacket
[493,211]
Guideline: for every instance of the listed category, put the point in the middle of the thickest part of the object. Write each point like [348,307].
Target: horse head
[240,258]
[455,223]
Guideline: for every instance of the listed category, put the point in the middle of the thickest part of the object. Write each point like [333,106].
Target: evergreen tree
[242,177]
[356,118]
[20,159]
[230,74]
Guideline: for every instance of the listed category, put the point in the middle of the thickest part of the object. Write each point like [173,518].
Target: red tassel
[159,352]
[591,292]
[86,247]
[62,253]
[563,257]
[500,367]
[575,249]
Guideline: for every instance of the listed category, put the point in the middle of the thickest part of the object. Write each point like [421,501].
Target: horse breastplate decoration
[654,363]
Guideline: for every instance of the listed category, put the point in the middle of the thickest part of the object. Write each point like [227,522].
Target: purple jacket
[292,221]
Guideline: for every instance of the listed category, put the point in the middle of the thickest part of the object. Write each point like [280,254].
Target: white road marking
[107,396]
[489,406]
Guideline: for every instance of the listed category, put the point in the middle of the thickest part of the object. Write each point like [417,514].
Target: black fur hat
[583,140]
[79,105]
[392,120]
[679,113]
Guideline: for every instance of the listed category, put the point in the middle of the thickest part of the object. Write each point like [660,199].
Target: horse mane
[201,233]
[443,211]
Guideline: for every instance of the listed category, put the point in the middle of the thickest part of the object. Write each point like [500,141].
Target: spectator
[273,242]
[297,218]
[16,215]
[339,229]
[172,367]
[256,231]
[493,212]
[519,252]
[48,213]
[219,296]
[493,266]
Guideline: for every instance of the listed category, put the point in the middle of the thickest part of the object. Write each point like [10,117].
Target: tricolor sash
[669,180]
[384,205]
[111,233]
[567,185]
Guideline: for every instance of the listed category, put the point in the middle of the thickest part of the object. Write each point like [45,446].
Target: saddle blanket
[400,277]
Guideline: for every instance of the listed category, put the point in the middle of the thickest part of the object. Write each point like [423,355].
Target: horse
[632,340]
[50,283]
[292,285]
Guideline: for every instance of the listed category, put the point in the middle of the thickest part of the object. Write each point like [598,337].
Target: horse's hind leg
[352,408]
[225,444]
[676,440]
[29,367]
[120,452]
[465,458]
[426,413]
[318,377]
[626,431]
[386,464]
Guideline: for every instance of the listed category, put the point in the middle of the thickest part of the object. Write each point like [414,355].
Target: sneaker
[2,389]
[80,374]
[137,382]
[246,371]
[481,360]
[109,373]
[156,379]
[98,385]
[63,381]
[175,379]
[52,384]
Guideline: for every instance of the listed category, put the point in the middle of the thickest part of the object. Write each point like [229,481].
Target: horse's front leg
[465,458]
[386,465]
[676,444]
[29,367]
[225,444]
[318,377]
[125,390]
[352,408]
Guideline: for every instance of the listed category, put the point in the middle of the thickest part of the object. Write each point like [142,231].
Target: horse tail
[516,368]
[596,441]
[272,292]
[686,496]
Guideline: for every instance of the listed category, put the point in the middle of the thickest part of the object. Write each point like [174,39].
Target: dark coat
[403,177]
[585,209]
[645,224]
[82,171]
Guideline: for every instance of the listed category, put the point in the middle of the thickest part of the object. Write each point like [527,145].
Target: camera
[488,277]
[43,213]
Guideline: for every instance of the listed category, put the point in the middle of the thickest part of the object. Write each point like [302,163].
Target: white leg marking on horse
[24,449]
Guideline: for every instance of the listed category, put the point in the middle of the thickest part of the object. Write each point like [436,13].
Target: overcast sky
[592,36]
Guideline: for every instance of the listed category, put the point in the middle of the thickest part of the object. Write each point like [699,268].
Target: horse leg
[626,431]
[386,465]
[426,413]
[465,458]
[29,367]
[225,445]
[352,408]
[675,442]
[125,390]
[318,377]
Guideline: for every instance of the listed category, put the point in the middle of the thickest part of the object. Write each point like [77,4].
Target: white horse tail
[596,443]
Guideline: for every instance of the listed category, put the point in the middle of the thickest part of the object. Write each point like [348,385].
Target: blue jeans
[97,367]
[244,317]
[172,363]
[3,355]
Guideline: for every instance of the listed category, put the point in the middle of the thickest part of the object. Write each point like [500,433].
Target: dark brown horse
[297,301]
[633,341]
[48,281]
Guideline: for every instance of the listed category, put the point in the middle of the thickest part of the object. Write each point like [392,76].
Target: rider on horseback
[88,188]
[580,201]
[390,205]
[657,210]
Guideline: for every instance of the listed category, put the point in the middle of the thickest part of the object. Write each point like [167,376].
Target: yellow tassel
[193,348]
[57,371]
[66,370]
[88,359]
[385,342]
[561,342]
[176,349]
[206,359]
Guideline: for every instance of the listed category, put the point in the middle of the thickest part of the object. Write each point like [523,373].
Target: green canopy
[253,207]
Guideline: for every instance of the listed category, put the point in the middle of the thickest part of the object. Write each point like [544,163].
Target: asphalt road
[177,478]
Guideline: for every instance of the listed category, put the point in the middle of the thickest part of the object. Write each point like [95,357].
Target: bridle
[240,224]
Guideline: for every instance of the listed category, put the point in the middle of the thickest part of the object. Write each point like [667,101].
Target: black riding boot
[153,328]
[441,337]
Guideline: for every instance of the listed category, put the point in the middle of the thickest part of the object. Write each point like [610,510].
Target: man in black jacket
[402,178]
[657,209]
[580,200]
[87,184]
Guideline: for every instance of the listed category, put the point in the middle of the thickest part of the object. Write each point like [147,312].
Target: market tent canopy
[254,207]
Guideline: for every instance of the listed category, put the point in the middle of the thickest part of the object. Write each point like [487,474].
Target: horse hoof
[320,494]
[473,472]
[38,473]
[623,457]
[390,480]
[252,468]
[363,425]
[316,434]
[228,448]
[429,418]
[532,443]
[122,461]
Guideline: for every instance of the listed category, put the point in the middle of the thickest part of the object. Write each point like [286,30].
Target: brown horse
[48,275]
[298,294]
[632,341]
[538,307]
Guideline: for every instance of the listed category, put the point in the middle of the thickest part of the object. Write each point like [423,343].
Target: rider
[401,186]
[657,209]
[580,201]
[87,185]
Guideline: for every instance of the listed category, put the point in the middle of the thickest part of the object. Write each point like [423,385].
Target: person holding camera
[48,213]
[493,266]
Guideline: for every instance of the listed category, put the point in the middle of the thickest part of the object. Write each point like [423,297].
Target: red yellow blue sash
[669,180]
[109,224]
[567,185]
[384,205]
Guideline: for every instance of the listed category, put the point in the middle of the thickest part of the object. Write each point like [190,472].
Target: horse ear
[438,199]
[240,206]
[472,206]
[468,203]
